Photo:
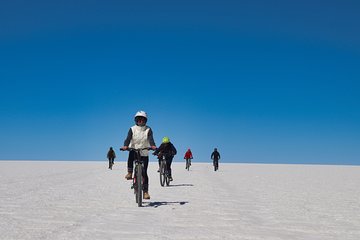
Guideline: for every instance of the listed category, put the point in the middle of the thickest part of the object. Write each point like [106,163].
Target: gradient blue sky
[263,81]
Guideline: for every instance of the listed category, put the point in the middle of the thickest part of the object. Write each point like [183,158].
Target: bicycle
[188,163]
[164,175]
[137,183]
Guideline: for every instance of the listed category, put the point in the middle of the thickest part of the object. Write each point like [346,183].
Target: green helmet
[165,140]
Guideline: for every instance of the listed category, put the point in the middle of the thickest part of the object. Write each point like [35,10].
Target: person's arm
[127,140]
[158,150]
[174,152]
[151,139]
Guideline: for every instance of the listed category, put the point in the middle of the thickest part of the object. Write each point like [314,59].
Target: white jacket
[140,138]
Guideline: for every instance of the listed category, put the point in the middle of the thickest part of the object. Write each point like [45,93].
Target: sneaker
[128,176]
[170,178]
[158,170]
[146,195]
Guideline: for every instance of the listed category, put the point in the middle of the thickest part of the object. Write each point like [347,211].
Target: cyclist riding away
[111,156]
[188,156]
[215,156]
[168,150]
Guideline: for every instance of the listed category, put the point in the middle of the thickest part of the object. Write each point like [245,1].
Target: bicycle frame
[137,183]
[138,179]
[164,175]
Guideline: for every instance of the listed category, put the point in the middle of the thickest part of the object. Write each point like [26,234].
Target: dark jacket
[166,149]
[111,154]
[215,155]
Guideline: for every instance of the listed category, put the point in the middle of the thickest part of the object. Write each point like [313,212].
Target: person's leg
[168,165]
[159,160]
[130,165]
[145,175]
[109,163]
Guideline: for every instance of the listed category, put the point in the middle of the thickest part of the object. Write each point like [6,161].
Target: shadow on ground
[158,204]
[181,185]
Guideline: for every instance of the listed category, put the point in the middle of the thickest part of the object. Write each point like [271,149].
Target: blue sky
[263,81]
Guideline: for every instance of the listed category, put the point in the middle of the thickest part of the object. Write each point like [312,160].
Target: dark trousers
[111,162]
[216,163]
[130,165]
[168,160]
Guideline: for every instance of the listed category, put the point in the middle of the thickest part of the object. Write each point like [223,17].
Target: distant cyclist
[188,156]
[139,136]
[215,156]
[111,156]
[168,150]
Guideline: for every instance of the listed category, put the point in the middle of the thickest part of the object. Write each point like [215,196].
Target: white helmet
[141,114]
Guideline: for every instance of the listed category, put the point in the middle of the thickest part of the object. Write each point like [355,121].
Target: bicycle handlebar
[136,149]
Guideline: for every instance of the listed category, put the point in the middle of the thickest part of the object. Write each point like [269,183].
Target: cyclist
[168,150]
[139,136]
[215,156]
[111,156]
[188,156]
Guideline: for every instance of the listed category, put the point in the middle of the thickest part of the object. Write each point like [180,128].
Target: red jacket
[188,155]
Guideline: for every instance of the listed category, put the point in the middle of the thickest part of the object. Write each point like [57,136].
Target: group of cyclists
[141,136]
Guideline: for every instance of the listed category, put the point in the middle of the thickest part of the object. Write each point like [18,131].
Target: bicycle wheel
[162,173]
[188,164]
[139,185]
[167,179]
[134,186]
